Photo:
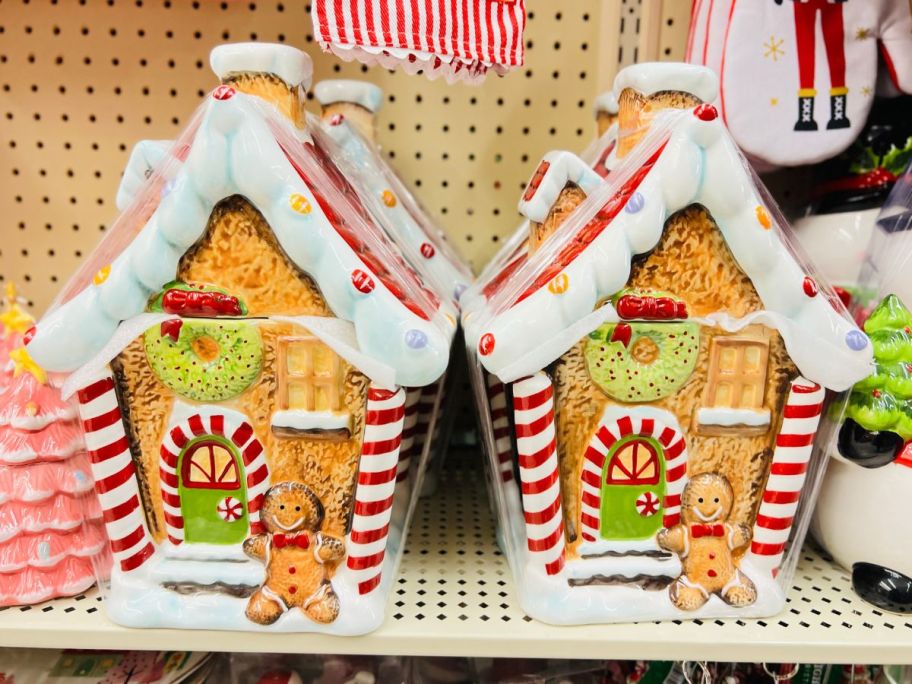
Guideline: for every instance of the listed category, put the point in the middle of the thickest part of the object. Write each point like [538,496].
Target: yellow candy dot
[299,203]
[559,285]
[389,199]
[102,275]
[763,217]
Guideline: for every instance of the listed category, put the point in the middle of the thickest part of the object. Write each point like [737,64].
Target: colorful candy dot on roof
[856,340]
[486,344]
[810,287]
[416,339]
[389,199]
[166,188]
[299,203]
[427,250]
[451,320]
[362,281]
[635,203]
[559,285]
[223,92]
[336,119]
[460,288]
[706,112]
[763,217]
[29,334]
[102,274]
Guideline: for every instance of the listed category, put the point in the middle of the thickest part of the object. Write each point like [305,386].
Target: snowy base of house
[138,599]
[551,599]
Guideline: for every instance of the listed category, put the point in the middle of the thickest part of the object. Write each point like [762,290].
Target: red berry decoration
[706,112]
[223,92]
[844,296]
[362,281]
[171,329]
[486,344]
[622,333]
[427,250]
[810,287]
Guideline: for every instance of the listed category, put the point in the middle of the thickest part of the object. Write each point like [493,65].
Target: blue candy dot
[167,188]
[416,339]
[460,288]
[635,203]
[857,340]
[44,550]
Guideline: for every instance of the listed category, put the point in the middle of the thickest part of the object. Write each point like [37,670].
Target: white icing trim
[297,419]
[288,63]
[729,417]
[652,77]
[363,93]
[146,155]
[606,102]
[564,167]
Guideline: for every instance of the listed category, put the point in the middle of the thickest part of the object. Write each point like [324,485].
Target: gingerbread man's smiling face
[707,498]
[291,507]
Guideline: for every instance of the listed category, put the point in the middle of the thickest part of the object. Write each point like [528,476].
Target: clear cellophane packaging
[240,345]
[650,377]
[869,475]
[424,246]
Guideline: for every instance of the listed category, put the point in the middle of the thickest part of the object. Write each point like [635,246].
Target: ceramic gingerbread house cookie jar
[239,349]
[665,353]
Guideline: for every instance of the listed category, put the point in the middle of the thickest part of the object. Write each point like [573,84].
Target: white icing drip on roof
[288,63]
[563,167]
[361,93]
[606,102]
[700,164]
[235,151]
[652,77]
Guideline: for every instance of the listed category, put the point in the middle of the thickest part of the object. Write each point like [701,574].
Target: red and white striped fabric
[376,484]
[456,39]
[794,445]
[410,433]
[497,398]
[241,434]
[536,444]
[674,452]
[114,473]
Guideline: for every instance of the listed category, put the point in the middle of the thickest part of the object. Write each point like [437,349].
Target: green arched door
[633,489]
[213,493]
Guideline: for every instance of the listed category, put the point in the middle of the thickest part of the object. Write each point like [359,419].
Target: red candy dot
[427,250]
[292,589]
[29,334]
[362,282]
[223,92]
[292,570]
[706,112]
[711,573]
[486,344]
[810,287]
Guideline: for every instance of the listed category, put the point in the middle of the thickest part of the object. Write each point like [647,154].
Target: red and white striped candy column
[114,473]
[377,469]
[500,419]
[536,444]
[410,430]
[794,445]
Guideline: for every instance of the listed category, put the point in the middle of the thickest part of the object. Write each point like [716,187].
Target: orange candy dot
[559,285]
[763,217]
[389,199]
[299,203]
[102,275]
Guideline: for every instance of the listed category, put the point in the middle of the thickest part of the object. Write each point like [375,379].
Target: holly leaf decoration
[896,160]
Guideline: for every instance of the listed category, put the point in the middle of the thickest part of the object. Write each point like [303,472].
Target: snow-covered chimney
[355,101]
[277,73]
[643,90]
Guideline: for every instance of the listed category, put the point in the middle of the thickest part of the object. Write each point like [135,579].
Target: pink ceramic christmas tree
[50,521]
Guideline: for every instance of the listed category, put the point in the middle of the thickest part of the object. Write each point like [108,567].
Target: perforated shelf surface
[454,596]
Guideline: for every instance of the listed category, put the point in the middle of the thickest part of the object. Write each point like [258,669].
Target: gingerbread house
[661,332]
[248,330]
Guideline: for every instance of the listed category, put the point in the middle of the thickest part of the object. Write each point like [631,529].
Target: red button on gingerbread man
[708,546]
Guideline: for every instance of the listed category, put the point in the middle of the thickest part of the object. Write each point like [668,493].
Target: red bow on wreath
[282,540]
[698,531]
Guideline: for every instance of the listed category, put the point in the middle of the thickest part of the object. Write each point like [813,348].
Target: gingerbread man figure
[300,560]
[707,544]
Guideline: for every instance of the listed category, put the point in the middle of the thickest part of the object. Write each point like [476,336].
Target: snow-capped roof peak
[288,63]
[653,77]
[361,93]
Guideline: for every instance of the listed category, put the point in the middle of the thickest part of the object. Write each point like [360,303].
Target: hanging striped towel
[457,39]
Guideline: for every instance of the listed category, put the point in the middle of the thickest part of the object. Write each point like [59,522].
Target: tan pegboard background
[82,80]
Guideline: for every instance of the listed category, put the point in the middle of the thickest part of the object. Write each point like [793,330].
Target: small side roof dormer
[361,93]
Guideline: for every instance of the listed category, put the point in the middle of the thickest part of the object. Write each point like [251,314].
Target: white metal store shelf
[454,597]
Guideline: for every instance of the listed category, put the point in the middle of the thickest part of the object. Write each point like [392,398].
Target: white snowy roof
[244,147]
[525,324]
[360,93]
[400,215]
[146,155]
[653,77]
[287,62]
[607,102]
[554,172]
